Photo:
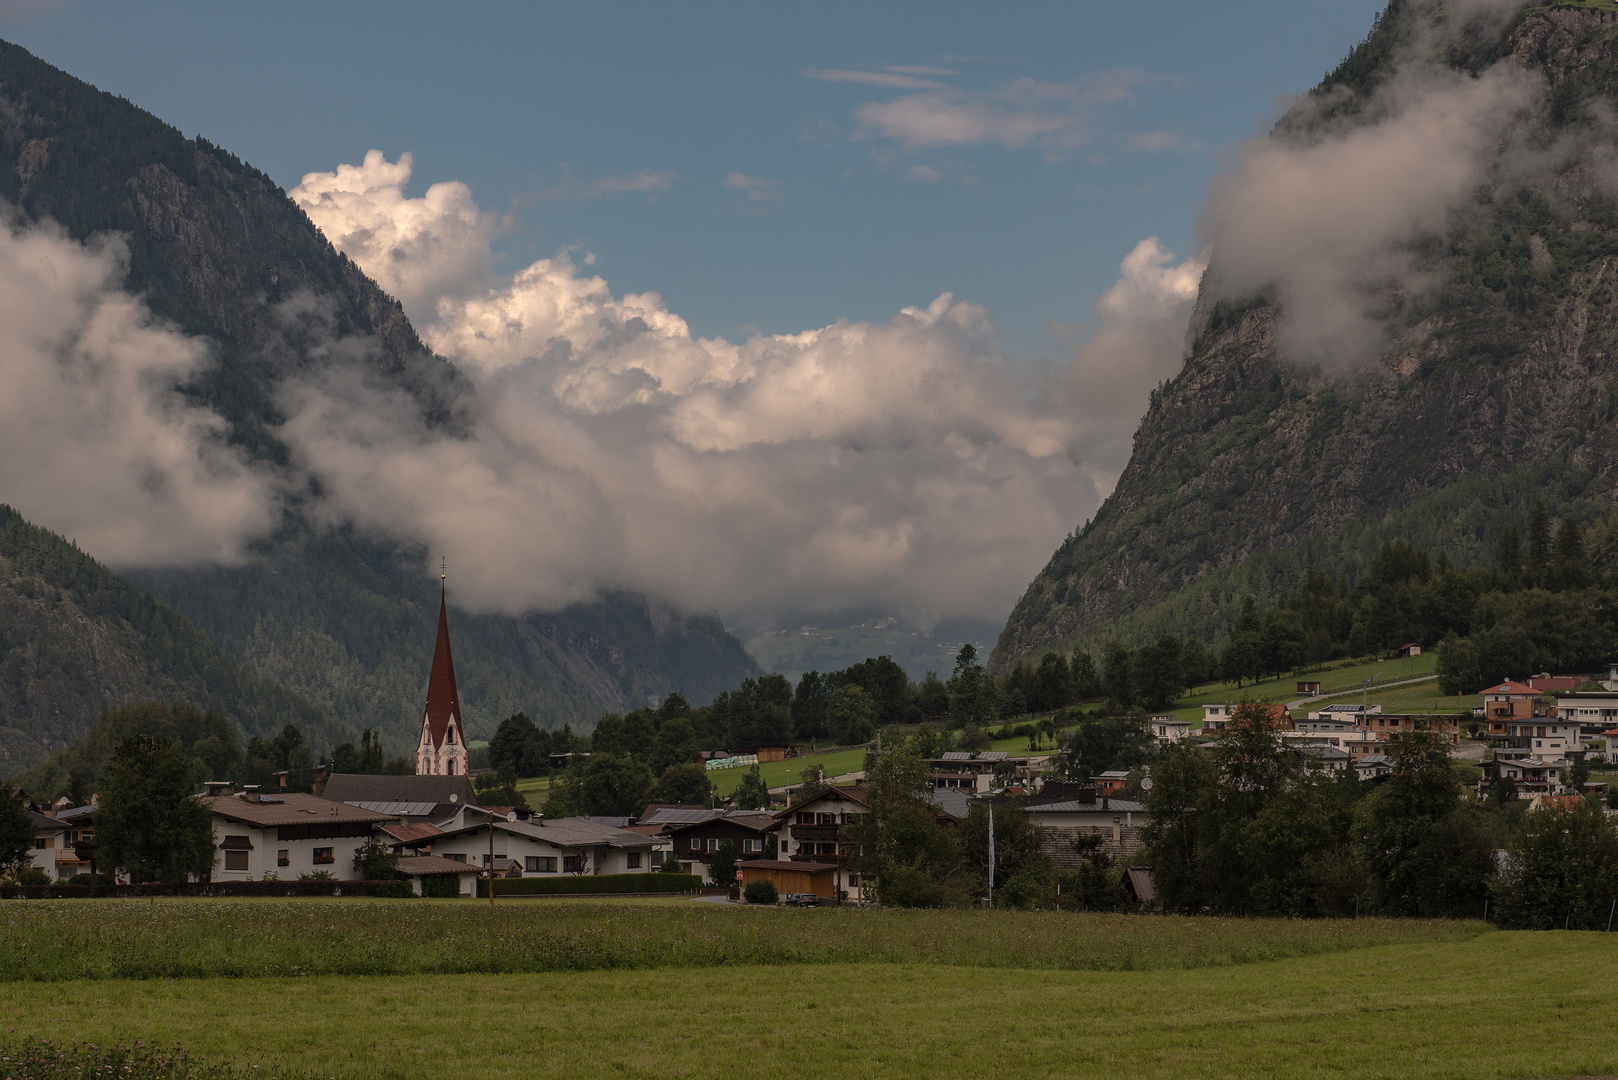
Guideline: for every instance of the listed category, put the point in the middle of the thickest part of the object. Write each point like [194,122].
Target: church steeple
[442,750]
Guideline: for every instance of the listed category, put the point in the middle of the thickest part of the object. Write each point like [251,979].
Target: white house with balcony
[285,836]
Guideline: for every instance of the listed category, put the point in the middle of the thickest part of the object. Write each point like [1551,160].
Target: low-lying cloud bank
[905,463]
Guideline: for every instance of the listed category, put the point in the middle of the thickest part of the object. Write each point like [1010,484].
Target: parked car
[801,899]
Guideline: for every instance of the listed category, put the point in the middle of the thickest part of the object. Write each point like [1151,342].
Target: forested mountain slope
[1494,380]
[76,640]
[218,248]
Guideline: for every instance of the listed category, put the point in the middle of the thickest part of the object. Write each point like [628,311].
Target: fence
[396,889]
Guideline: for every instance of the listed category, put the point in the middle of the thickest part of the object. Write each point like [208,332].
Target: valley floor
[1460,1005]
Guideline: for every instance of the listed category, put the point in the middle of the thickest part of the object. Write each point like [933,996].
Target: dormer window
[452,736]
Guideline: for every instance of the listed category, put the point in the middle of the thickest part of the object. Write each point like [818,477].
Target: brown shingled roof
[289,808]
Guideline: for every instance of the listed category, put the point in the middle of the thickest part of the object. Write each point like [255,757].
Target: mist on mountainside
[1411,285]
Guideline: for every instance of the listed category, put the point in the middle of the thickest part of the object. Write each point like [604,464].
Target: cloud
[760,192]
[17,11]
[1148,141]
[95,441]
[925,173]
[891,79]
[903,463]
[421,250]
[648,182]
[1052,115]
[920,69]
[1326,221]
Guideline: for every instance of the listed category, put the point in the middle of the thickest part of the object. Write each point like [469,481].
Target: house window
[452,736]
[283,857]
[696,843]
[853,881]
[542,864]
[713,843]
[634,860]
[573,864]
[456,857]
[806,819]
[41,843]
[324,855]
[1541,731]
[752,845]
[235,860]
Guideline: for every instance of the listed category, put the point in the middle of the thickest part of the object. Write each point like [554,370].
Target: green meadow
[814,993]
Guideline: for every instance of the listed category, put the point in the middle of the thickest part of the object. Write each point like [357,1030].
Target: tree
[722,867]
[520,744]
[898,848]
[500,789]
[1116,677]
[1539,543]
[686,784]
[675,744]
[1022,871]
[971,692]
[149,821]
[1508,554]
[1561,870]
[1086,680]
[613,786]
[751,793]
[1157,672]
[849,715]
[374,862]
[1196,664]
[761,891]
[933,698]
[1052,684]
[1108,742]
[1569,567]
[16,833]
[301,769]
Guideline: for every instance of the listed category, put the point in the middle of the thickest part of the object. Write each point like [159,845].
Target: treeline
[1249,828]
[211,741]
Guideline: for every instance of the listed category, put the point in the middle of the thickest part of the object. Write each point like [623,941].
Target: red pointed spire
[442,699]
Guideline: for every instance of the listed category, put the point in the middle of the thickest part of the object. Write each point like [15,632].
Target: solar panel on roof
[409,809]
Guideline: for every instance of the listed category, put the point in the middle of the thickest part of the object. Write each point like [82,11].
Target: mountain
[1491,380]
[214,246]
[76,640]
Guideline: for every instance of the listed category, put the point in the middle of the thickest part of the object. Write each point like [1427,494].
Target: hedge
[598,883]
[394,889]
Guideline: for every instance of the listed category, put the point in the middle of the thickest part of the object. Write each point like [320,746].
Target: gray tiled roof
[355,788]
[1113,806]
[566,832]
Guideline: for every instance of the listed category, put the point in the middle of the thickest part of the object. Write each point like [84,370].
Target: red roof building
[442,749]
[1509,701]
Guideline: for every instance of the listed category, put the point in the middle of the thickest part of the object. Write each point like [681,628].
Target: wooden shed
[791,877]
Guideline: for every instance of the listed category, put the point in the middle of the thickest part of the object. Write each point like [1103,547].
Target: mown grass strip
[44,940]
[1408,1012]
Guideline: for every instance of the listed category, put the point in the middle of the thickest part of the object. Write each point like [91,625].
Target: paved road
[1380,686]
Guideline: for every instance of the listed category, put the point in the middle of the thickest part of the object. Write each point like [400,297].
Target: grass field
[1413,1000]
[46,940]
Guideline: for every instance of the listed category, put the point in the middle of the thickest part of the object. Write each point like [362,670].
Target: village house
[1218,717]
[812,831]
[1550,739]
[1508,702]
[50,844]
[1593,712]
[695,843]
[1373,766]
[972,770]
[416,867]
[1530,775]
[794,876]
[545,846]
[1095,810]
[1111,781]
[1309,688]
[285,836]
[1350,712]
[1166,729]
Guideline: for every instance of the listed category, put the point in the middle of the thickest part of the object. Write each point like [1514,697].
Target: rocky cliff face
[217,248]
[1251,468]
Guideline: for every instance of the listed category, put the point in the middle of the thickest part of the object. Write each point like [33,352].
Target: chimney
[404,822]
[319,786]
[1104,796]
[1117,831]
[250,793]
[216,787]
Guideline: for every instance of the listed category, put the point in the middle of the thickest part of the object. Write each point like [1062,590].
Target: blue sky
[614,128]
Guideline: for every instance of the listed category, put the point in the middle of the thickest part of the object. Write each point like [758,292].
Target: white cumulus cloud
[904,462]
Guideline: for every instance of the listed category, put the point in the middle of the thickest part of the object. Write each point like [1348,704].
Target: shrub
[395,890]
[761,891]
[33,875]
[595,883]
[441,886]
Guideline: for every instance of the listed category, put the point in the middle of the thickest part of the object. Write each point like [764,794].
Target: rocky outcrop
[1513,361]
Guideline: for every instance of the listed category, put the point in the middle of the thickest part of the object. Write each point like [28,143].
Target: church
[442,748]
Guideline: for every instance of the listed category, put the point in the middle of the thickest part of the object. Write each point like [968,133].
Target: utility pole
[1365,691]
[991,854]
[491,858]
